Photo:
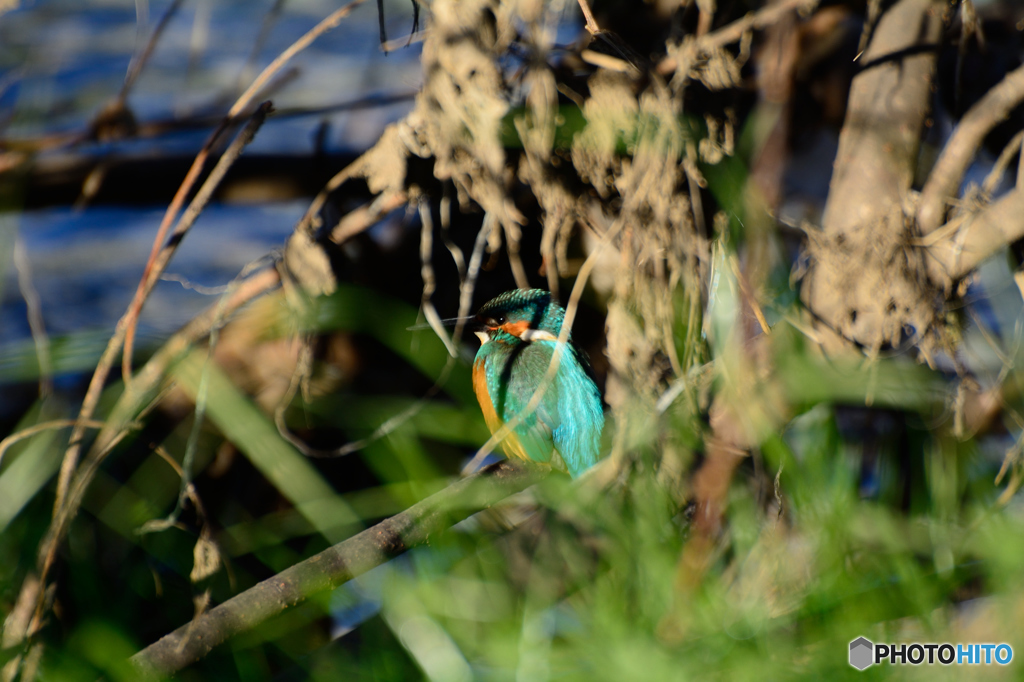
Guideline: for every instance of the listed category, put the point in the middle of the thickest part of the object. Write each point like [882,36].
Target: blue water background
[62,61]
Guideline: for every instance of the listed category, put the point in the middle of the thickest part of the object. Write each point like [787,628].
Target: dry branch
[36,324]
[334,566]
[981,236]
[327,24]
[945,178]
[888,103]
[735,31]
[861,283]
[139,61]
[240,105]
[64,508]
[122,417]
[158,264]
[123,331]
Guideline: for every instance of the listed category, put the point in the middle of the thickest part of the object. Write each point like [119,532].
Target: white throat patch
[537,335]
[483,336]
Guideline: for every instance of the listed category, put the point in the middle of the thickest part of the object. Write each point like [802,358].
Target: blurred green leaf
[70,353]
[29,464]
[255,435]
[898,382]
[102,646]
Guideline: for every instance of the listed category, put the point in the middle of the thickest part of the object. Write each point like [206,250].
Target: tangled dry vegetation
[878,273]
[604,151]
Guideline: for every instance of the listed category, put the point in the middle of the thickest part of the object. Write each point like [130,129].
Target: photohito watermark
[864,653]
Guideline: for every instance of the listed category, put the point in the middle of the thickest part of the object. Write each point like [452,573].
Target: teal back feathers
[519,331]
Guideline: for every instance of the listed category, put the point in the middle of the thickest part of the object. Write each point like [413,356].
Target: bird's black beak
[481,328]
[450,322]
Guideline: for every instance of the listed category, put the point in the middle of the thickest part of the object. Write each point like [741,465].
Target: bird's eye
[493,322]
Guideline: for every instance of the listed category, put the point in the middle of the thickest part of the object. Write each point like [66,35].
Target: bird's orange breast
[483,395]
[511,444]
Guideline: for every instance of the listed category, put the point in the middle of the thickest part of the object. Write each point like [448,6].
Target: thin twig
[366,216]
[62,519]
[512,239]
[269,19]
[945,178]
[162,453]
[592,26]
[382,431]
[468,285]
[240,105]
[203,120]
[298,46]
[427,273]
[34,310]
[404,41]
[188,218]
[114,346]
[380,22]
[1011,150]
[137,63]
[755,21]
[305,360]
[192,443]
[748,293]
[30,431]
[983,234]
[549,236]
[310,220]
[736,30]
[445,211]
[126,411]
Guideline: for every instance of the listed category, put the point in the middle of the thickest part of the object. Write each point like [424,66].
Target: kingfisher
[518,334]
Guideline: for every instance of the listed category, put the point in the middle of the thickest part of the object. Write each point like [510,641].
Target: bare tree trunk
[864,283]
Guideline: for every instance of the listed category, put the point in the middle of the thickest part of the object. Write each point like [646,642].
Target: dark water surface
[61,61]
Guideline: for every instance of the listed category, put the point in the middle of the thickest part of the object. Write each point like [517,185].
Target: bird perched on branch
[518,332]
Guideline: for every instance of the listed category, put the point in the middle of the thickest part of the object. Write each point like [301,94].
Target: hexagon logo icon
[861,651]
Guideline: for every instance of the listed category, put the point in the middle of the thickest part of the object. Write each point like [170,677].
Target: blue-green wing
[577,435]
[569,417]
